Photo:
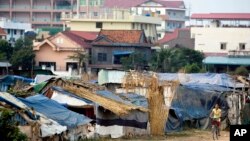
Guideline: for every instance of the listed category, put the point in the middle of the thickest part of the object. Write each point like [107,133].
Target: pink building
[53,53]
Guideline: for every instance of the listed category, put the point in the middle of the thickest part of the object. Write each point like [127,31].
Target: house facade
[111,45]
[53,53]
[2,34]
[14,30]
[179,38]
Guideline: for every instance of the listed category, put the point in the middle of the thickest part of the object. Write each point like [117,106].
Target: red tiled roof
[122,36]
[78,39]
[222,16]
[86,35]
[134,3]
[170,36]
[2,32]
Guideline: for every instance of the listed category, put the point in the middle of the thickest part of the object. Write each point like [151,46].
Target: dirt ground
[187,135]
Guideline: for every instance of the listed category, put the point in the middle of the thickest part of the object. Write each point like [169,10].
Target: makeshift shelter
[10,80]
[76,123]
[32,123]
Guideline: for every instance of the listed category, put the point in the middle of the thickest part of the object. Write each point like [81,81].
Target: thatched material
[116,107]
[156,99]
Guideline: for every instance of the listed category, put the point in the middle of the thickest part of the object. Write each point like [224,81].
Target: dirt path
[187,135]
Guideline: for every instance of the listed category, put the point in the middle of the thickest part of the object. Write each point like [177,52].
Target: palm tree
[81,57]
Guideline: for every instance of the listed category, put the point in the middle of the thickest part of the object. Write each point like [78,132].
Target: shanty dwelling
[194,98]
[32,123]
[107,122]
[76,123]
[8,81]
[53,53]
[112,45]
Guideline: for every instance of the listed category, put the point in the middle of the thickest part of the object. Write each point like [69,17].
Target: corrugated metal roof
[226,60]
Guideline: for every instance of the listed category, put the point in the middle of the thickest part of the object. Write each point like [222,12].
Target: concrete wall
[208,39]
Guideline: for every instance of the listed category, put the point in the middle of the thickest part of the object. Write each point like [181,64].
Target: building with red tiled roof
[179,38]
[55,51]
[3,34]
[112,45]
[222,16]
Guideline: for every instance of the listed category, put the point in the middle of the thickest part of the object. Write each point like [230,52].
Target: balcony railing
[63,7]
[238,53]
[40,20]
[4,6]
[21,6]
[41,7]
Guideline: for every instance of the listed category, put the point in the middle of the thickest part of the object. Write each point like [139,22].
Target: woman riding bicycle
[216,115]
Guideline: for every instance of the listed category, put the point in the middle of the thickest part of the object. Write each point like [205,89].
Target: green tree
[5,50]
[23,54]
[242,71]
[136,60]
[172,60]
[192,68]
[82,58]
[8,127]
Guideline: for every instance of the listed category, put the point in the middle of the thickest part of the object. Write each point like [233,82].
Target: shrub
[192,68]
[241,71]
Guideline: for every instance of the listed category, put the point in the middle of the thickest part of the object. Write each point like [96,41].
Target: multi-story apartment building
[113,19]
[14,30]
[40,13]
[171,12]
[222,37]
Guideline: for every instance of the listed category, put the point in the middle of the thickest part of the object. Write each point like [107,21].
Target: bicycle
[215,128]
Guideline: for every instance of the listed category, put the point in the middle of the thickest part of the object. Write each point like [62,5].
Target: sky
[218,6]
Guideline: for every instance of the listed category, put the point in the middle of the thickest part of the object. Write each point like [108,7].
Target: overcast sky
[226,6]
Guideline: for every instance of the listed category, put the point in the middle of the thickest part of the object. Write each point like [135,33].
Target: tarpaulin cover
[135,118]
[9,80]
[48,126]
[67,98]
[55,111]
[194,103]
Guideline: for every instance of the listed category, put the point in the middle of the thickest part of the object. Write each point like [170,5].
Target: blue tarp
[55,111]
[9,80]
[194,103]
[221,79]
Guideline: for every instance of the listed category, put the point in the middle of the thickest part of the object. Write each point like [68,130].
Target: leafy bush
[192,68]
[241,71]
[8,127]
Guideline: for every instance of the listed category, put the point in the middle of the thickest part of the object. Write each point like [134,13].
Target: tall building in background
[40,13]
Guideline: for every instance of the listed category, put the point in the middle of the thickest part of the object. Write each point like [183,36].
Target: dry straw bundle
[116,107]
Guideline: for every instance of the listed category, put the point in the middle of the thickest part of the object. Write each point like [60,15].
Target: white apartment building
[220,38]
[172,14]
[14,30]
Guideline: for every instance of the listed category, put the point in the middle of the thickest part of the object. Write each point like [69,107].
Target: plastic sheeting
[9,80]
[110,76]
[55,111]
[65,98]
[48,127]
[194,103]
[136,118]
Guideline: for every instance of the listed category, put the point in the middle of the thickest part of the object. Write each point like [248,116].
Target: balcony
[21,7]
[38,7]
[4,7]
[62,7]
[238,53]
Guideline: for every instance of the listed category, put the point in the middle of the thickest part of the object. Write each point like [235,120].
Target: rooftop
[171,36]
[221,16]
[227,60]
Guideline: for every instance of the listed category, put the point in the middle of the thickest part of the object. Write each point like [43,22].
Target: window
[14,31]
[73,65]
[242,46]
[21,32]
[158,12]
[59,40]
[102,57]
[169,13]
[223,46]
[8,31]
[174,13]
[95,13]
[133,25]
[48,65]
[159,35]
[98,24]
[146,27]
